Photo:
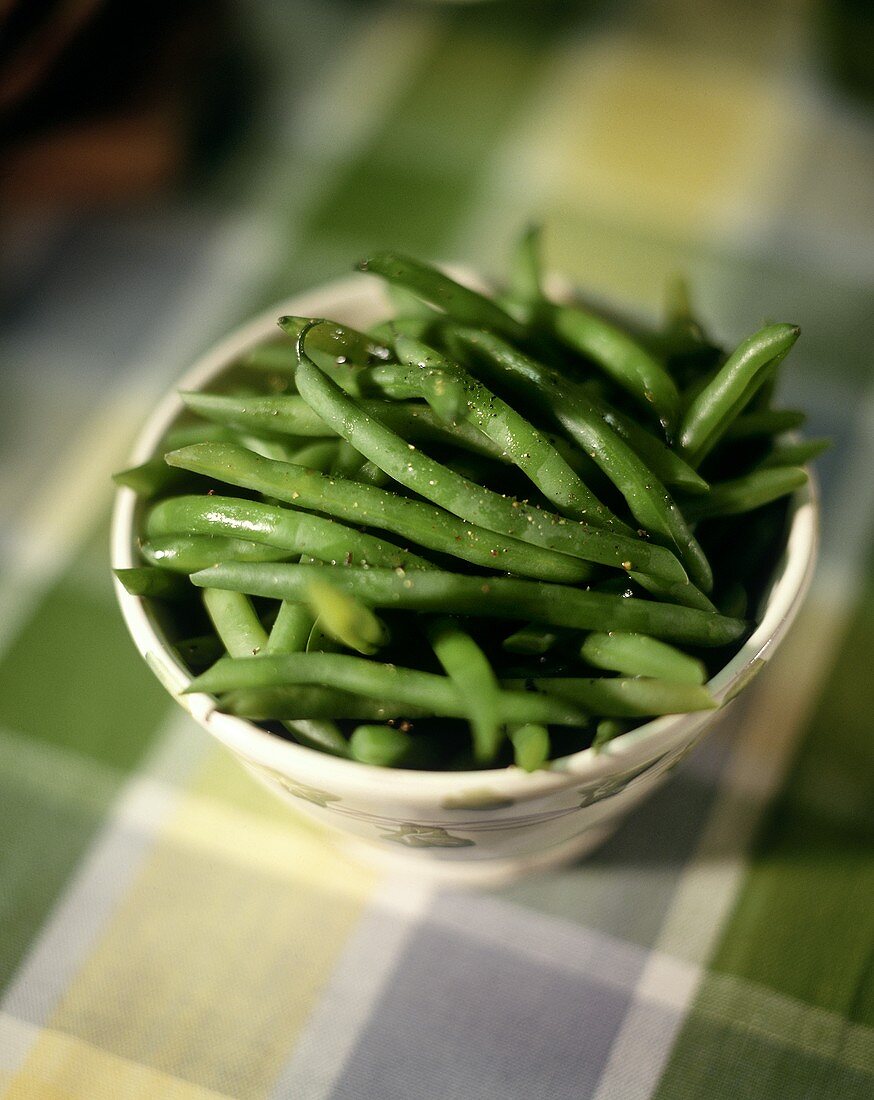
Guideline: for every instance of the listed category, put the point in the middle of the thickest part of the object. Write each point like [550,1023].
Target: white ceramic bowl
[460,826]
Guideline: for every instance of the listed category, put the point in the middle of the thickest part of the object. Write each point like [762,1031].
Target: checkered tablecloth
[167,930]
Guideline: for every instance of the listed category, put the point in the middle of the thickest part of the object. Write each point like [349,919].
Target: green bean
[666,464]
[724,398]
[431,377]
[334,341]
[371,474]
[470,501]
[735,600]
[153,477]
[531,639]
[408,306]
[606,730]
[146,580]
[320,641]
[420,328]
[618,697]
[370,506]
[235,622]
[743,494]
[620,356]
[277,357]
[490,597]
[183,435]
[315,456]
[686,594]
[640,655]
[383,746]
[682,335]
[290,634]
[189,553]
[765,422]
[294,702]
[468,668]
[403,686]
[291,629]
[199,651]
[347,461]
[345,618]
[281,527]
[526,273]
[795,454]
[288,415]
[678,302]
[273,414]
[571,407]
[279,449]
[527,447]
[437,289]
[419,423]
[530,746]
[322,735]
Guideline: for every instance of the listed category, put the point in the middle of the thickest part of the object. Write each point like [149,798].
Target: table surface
[166,930]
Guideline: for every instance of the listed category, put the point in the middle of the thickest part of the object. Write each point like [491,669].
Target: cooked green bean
[468,668]
[314,456]
[418,423]
[725,397]
[530,746]
[470,501]
[189,553]
[735,600]
[432,378]
[403,686]
[346,619]
[437,289]
[183,435]
[293,702]
[278,357]
[286,415]
[571,407]
[235,622]
[619,697]
[743,494]
[341,343]
[516,437]
[383,746]
[765,422]
[491,597]
[319,734]
[795,454]
[153,477]
[606,730]
[640,655]
[146,580]
[682,336]
[281,527]
[415,520]
[199,651]
[531,639]
[620,356]
[275,414]
[291,629]
[666,464]
[526,273]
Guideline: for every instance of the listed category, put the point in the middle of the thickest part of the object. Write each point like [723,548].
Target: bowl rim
[788,588]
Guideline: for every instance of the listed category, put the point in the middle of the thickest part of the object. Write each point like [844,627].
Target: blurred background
[169,168]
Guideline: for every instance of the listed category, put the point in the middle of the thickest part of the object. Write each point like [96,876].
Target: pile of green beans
[491,531]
